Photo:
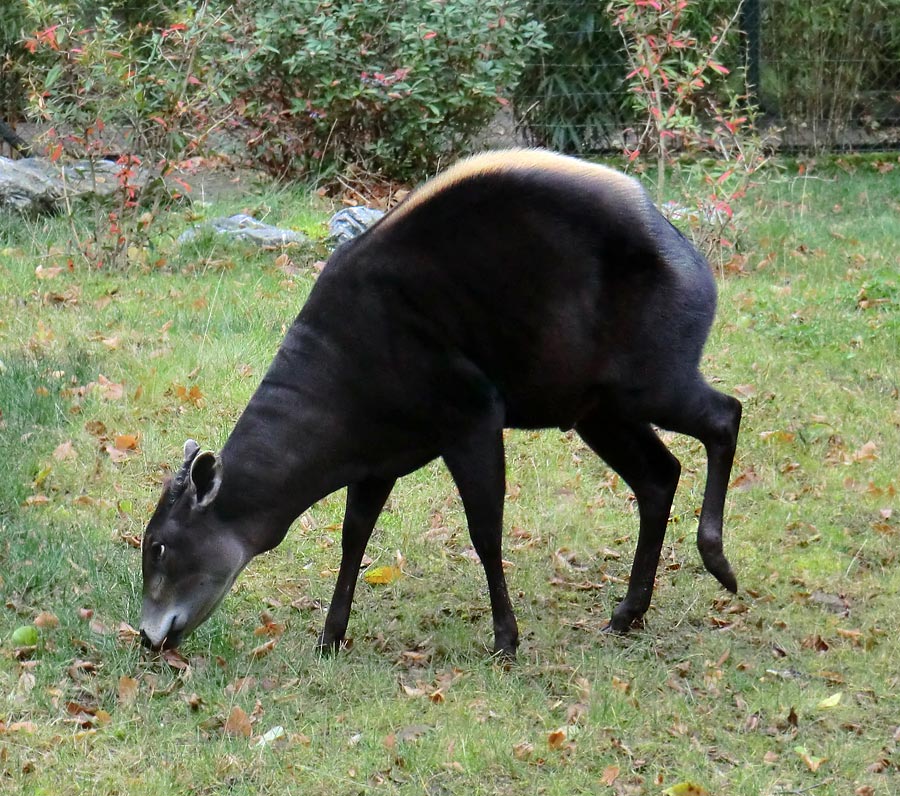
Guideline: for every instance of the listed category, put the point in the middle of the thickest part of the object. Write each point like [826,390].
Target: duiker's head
[190,554]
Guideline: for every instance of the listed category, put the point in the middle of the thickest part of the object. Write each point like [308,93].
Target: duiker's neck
[286,452]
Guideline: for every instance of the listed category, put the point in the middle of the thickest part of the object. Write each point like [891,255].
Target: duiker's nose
[163,636]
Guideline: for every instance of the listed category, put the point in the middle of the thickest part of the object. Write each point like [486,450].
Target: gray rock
[39,185]
[244,227]
[346,224]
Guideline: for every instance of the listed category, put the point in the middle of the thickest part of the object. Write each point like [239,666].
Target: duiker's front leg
[365,501]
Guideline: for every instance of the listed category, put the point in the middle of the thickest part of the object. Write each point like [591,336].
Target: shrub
[572,98]
[575,98]
[684,104]
[146,94]
[383,87]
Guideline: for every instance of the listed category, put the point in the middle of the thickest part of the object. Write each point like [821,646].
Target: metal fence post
[750,24]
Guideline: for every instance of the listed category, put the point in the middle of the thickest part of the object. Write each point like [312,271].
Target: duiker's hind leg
[635,452]
[713,418]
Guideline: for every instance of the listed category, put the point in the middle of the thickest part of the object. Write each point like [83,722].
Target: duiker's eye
[157,550]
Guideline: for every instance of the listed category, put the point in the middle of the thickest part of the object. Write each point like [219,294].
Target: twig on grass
[807,789]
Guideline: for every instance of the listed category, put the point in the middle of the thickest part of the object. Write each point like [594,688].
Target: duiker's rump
[518,289]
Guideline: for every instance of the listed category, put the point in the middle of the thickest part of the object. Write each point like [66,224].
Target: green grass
[715,689]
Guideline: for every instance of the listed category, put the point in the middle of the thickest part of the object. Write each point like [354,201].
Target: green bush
[145,93]
[101,83]
[573,98]
[576,98]
[385,87]
[12,22]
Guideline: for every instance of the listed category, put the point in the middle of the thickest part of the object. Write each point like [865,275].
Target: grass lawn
[790,687]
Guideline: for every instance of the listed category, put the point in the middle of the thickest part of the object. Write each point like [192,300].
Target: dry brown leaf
[65,451]
[127,633]
[610,775]
[238,723]
[523,750]
[176,660]
[21,726]
[240,685]
[557,738]
[115,454]
[46,620]
[126,442]
[867,453]
[263,649]
[47,273]
[812,763]
[109,391]
[745,480]
[128,688]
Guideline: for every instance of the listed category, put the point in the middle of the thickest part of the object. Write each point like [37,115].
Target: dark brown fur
[519,290]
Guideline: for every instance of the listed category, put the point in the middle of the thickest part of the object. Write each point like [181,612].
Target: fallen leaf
[263,649]
[127,633]
[523,750]
[746,480]
[46,620]
[128,688]
[412,732]
[95,428]
[238,723]
[812,763]
[189,395]
[22,726]
[382,576]
[685,789]
[109,391]
[867,453]
[116,455]
[126,442]
[64,451]
[856,636]
[276,733]
[610,775]
[830,702]
[79,668]
[47,273]
[557,739]
[176,660]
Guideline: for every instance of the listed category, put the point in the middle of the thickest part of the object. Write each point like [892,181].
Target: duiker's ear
[191,448]
[206,477]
